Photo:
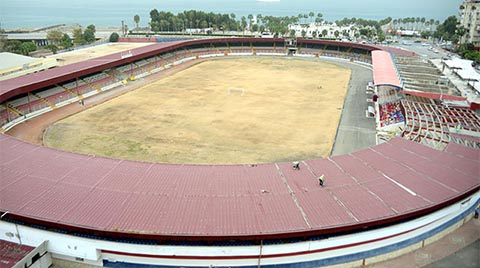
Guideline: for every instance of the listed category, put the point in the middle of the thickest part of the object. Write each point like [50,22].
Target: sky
[38,13]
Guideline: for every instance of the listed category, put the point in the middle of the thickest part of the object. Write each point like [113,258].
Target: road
[355,130]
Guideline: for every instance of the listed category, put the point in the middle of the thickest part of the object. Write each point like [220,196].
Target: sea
[15,14]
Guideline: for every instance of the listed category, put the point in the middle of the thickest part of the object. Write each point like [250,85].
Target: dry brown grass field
[233,110]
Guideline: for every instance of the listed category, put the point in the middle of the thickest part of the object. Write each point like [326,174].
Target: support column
[29,104]
[76,86]
[8,113]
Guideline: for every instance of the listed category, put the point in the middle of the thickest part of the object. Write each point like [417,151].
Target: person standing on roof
[321,180]
[296,165]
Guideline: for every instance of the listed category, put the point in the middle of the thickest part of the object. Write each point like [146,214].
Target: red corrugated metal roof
[30,82]
[238,200]
[384,72]
[11,253]
[464,151]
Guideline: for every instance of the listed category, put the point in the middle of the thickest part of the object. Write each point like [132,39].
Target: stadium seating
[390,113]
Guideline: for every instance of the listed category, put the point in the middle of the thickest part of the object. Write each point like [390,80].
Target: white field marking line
[235,90]
[400,185]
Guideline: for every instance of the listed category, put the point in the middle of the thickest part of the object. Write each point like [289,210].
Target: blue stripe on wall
[334,260]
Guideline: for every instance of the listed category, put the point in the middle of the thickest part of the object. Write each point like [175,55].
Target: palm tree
[300,16]
[336,33]
[292,33]
[305,16]
[311,15]
[244,24]
[250,20]
[136,19]
[319,17]
[260,19]
[324,32]
[353,31]
[427,24]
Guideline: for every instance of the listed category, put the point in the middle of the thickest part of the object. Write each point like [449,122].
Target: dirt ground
[235,110]
[94,52]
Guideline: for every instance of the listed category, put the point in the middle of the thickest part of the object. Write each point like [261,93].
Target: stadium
[417,181]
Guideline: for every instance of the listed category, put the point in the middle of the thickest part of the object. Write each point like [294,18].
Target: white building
[470,20]
[313,30]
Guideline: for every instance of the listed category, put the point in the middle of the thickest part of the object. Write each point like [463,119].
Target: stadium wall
[348,250]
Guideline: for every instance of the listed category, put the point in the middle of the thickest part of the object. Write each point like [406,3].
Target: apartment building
[470,20]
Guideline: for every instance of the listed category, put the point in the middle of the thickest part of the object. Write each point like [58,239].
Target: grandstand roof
[31,82]
[384,72]
[386,182]
[11,253]
[20,85]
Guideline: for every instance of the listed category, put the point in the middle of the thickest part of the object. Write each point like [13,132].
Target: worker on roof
[321,180]
[296,165]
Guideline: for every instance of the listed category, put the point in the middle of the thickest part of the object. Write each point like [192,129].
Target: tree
[78,36]
[91,27]
[136,19]
[54,36]
[13,46]
[447,30]
[52,48]
[292,33]
[66,41]
[304,33]
[311,15]
[250,19]
[336,33]
[319,18]
[259,18]
[314,34]
[244,24]
[89,35]
[114,37]
[27,47]
[324,33]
